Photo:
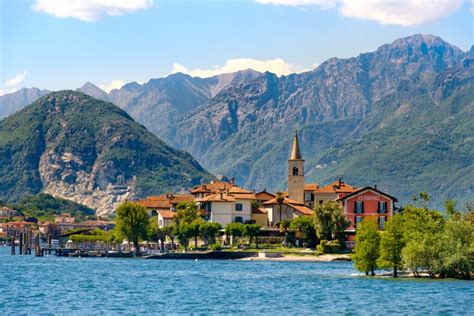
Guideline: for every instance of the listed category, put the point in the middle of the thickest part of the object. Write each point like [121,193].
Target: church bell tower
[296,173]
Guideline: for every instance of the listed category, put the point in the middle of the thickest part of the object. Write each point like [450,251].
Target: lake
[58,285]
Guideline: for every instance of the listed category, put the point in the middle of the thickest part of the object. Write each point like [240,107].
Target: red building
[367,202]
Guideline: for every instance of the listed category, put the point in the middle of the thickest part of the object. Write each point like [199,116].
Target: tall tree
[304,228]
[186,212]
[391,245]
[252,231]
[209,231]
[329,220]
[132,223]
[367,248]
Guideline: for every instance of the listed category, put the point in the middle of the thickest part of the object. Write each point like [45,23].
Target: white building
[229,206]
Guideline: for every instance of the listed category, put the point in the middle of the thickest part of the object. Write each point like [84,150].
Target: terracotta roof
[165,201]
[264,195]
[238,190]
[259,210]
[247,196]
[303,209]
[311,186]
[15,224]
[213,187]
[167,214]
[337,186]
[368,189]
[285,201]
[219,197]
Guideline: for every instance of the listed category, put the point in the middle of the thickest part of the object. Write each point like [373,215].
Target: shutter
[355,206]
[362,206]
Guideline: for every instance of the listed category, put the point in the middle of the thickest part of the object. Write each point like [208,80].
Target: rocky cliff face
[76,147]
[245,131]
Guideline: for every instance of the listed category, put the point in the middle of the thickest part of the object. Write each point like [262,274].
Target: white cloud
[115,84]
[295,3]
[12,82]
[11,85]
[277,66]
[401,12]
[89,10]
[398,12]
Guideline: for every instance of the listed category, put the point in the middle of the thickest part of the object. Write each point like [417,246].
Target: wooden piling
[49,244]
[20,247]
[13,246]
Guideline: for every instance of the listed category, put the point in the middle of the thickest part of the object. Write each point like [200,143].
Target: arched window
[295,171]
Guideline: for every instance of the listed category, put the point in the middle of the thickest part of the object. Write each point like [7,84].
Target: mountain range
[400,117]
[73,146]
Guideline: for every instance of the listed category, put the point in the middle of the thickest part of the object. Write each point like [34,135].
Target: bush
[331,246]
[215,247]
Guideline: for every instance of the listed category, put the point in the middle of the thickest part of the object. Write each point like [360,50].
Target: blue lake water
[52,285]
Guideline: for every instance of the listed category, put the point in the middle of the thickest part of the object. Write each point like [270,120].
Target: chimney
[375,186]
[232,182]
[340,181]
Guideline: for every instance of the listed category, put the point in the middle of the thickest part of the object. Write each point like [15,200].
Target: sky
[61,44]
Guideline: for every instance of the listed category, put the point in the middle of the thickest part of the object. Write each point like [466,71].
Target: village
[223,203]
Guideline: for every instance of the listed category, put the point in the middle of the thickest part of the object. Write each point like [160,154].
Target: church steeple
[295,152]
[296,173]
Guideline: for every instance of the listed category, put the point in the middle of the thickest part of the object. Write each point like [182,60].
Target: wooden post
[49,244]
[13,246]
[20,247]
[37,246]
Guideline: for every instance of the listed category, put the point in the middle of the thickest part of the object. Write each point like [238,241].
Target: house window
[358,219]
[382,220]
[321,201]
[238,207]
[308,196]
[238,219]
[295,171]
[382,207]
[160,223]
[359,207]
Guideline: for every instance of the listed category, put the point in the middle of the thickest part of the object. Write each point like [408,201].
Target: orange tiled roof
[218,197]
[167,214]
[264,195]
[285,201]
[213,187]
[337,187]
[165,201]
[259,210]
[311,186]
[303,209]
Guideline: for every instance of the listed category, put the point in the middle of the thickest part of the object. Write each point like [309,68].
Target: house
[283,208]
[13,229]
[332,191]
[7,212]
[367,202]
[64,218]
[260,216]
[213,187]
[167,202]
[263,196]
[229,206]
[165,218]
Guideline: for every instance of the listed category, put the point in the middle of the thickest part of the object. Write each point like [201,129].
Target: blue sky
[60,44]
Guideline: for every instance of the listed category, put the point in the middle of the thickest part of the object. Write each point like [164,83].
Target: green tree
[186,212]
[209,231]
[391,245]
[252,231]
[450,209]
[132,223]
[367,248]
[329,220]
[234,230]
[168,231]
[184,231]
[457,249]
[195,227]
[156,233]
[304,228]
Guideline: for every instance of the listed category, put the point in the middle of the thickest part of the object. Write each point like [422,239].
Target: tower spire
[295,152]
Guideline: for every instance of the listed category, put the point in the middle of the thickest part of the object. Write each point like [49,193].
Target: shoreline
[302,258]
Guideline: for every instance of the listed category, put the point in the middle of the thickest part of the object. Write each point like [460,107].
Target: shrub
[331,246]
